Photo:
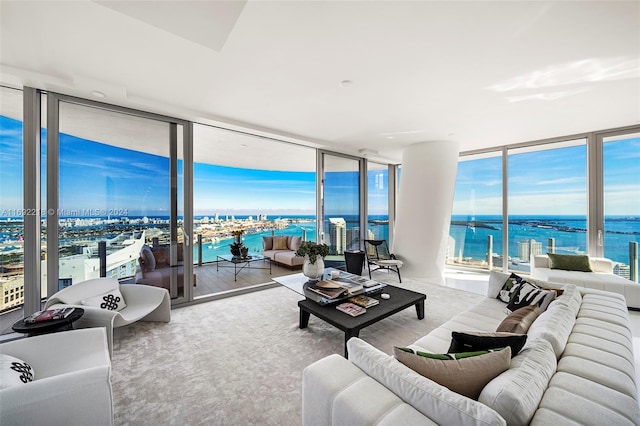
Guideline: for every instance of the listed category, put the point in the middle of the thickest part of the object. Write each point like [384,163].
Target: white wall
[425,200]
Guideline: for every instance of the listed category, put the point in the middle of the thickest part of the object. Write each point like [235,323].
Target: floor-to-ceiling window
[573,196]
[247,183]
[377,201]
[621,188]
[341,204]
[547,201]
[475,235]
[11,206]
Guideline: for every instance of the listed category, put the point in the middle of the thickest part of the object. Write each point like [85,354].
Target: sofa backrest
[516,393]
[598,264]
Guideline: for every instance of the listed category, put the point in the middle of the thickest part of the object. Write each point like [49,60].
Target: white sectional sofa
[602,278]
[577,367]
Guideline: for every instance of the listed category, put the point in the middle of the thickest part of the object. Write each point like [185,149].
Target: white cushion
[516,393]
[111,301]
[14,371]
[496,281]
[433,400]
[554,325]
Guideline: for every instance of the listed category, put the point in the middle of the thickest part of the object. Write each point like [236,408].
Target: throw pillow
[526,294]
[520,320]
[267,243]
[295,243]
[464,373]
[569,262]
[475,341]
[14,371]
[111,301]
[496,281]
[148,261]
[509,287]
[280,243]
[161,258]
[434,401]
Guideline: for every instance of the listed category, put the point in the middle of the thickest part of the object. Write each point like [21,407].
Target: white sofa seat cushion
[599,373]
[575,400]
[516,393]
[349,406]
[485,316]
[434,401]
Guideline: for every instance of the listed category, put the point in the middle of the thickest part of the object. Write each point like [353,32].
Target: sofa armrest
[322,381]
[539,261]
[600,264]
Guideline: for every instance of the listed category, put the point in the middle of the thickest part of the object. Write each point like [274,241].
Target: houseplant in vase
[236,246]
[313,253]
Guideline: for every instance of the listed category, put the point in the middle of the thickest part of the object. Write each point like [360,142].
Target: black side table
[51,326]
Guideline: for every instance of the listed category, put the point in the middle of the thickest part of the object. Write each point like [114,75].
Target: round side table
[51,326]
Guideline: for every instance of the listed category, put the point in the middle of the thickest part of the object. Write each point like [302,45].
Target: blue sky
[550,182]
[98,176]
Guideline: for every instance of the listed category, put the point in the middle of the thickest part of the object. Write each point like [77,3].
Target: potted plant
[236,246]
[313,253]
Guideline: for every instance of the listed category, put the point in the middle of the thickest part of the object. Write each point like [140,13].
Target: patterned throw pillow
[463,373]
[14,371]
[526,294]
[518,292]
[509,287]
[280,243]
[111,301]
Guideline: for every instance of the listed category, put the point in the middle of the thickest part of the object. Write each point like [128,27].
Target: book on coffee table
[364,301]
[351,309]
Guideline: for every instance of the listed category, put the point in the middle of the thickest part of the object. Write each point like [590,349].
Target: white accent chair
[144,303]
[72,383]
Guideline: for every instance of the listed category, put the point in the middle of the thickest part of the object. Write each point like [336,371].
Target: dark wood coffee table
[400,300]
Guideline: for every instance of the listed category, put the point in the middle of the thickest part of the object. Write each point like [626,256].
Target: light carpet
[239,361]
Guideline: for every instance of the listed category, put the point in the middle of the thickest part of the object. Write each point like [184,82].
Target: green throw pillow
[570,262]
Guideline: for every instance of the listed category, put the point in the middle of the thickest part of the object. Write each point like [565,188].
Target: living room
[362,67]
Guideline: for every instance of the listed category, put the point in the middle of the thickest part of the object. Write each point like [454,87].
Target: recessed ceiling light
[346,83]
[391,137]
[98,94]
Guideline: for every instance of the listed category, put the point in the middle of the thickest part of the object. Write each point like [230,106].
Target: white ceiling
[480,73]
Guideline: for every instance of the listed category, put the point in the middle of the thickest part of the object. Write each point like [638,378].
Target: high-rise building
[338,235]
[528,248]
[622,270]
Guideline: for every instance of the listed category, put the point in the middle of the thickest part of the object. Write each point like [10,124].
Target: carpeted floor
[239,361]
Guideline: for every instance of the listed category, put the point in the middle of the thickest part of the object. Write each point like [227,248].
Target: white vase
[313,271]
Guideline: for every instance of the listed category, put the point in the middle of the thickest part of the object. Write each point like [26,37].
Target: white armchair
[72,383]
[144,303]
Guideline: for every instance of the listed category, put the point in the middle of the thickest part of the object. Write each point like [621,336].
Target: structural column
[427,184]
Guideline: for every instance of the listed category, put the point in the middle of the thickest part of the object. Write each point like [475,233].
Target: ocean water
[570,234]
[211,249]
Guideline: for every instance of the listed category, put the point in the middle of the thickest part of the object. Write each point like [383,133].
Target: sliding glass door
[116,182]
[341,201]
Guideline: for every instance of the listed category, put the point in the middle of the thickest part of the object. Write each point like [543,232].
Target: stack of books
[48,315]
